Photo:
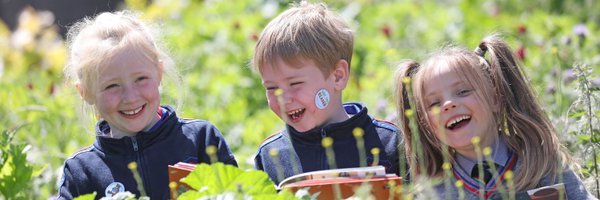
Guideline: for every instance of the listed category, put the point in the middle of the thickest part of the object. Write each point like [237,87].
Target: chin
[302,129]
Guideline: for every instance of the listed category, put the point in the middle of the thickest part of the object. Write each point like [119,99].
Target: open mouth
[458,122]
[296,114]
[133,112]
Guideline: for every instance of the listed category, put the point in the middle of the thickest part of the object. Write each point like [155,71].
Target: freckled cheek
[150,90]
[106,105]
[107,100]
[154,94]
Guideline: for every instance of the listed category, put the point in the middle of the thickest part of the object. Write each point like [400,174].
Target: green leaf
[219,178]
[91,196]
[584,137]
[596,136]
[577,114]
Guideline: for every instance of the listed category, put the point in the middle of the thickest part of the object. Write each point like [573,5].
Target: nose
[130,94]
[286,97]
[448,105]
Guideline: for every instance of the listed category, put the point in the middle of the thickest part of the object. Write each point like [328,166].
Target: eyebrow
[106,81]
[284,78]
[135,74]
[453,85]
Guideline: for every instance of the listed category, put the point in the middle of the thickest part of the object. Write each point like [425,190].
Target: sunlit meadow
[212,43]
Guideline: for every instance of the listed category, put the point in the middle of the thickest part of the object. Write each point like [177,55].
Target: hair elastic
[413,67]
[481,49]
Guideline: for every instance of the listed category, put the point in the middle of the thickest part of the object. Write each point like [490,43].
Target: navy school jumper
[308,154]
[170,141]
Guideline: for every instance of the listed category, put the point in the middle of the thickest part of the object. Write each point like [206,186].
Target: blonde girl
[117,68]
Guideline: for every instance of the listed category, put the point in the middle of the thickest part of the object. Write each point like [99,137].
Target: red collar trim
[492,185]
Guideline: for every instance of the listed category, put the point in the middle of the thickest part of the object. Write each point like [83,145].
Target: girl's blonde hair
[94,42]
[501,86]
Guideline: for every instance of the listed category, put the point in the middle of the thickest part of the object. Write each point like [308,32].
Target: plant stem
[589,116]
[588,102]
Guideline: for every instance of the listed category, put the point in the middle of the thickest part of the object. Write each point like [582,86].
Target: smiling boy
[303,57]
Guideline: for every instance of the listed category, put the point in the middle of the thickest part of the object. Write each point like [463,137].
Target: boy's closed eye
[270,88]
[296,84]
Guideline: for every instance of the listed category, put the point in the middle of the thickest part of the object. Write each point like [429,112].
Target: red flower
[521,53]
[387,31]
[521,29]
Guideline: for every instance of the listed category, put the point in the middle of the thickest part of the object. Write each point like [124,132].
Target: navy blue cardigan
[308,155]
[103,166]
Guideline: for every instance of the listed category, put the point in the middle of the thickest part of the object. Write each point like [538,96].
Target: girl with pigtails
[478,126]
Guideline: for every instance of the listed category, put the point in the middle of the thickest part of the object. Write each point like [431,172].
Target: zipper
[140,163]
[135,144]
[323,134]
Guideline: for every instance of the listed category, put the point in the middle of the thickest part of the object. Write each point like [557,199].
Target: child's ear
[341,74]
[83,93]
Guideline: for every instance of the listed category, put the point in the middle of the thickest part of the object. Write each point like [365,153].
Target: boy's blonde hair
[305,31]
[94,42]
[501,86]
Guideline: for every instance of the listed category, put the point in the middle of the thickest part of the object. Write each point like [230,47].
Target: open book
[357,172]
[177,172]
[551,192]
[347,180]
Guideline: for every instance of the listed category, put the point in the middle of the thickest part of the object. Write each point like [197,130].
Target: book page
[184,165]
[356,172]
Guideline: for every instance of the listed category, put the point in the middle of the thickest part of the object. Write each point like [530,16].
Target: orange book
[177,172]
[348,180]
[549,192]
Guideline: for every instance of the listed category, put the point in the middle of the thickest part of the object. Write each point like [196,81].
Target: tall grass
[214,40]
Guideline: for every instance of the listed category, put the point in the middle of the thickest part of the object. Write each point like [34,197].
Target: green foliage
[212,43]
[119,196]
[16,173]
[91,196]
[220,180]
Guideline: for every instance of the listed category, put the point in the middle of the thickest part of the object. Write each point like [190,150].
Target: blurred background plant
[213,40]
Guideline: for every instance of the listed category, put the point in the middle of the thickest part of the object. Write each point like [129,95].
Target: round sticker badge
[322,99]
[113,189]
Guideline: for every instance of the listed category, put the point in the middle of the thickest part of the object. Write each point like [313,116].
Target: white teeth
[453,122]
[294,111]
[295,114]
[133,112]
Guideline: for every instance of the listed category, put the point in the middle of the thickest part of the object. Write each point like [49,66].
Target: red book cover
[177,172]
[381,188]
[549,192]
[324,181]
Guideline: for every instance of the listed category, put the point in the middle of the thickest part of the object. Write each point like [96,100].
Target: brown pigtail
[520,116]
[419,138]
[405,70]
